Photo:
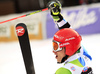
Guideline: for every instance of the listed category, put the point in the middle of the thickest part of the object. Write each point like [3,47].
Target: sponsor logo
[73,68]
[56,36]
[63,44]
[85,69]
[20,30]
[70,38]
[81,18]
[60,37]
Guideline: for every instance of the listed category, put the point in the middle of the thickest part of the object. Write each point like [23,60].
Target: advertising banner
[33,23]
[84,19]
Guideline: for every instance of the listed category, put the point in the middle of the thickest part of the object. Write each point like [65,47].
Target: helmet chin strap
[63,59]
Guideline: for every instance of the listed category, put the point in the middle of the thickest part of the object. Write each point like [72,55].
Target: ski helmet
[69,39]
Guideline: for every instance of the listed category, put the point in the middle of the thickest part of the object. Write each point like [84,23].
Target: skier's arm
[61,23]
[55,10]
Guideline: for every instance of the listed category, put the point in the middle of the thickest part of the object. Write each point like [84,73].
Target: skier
[67,45]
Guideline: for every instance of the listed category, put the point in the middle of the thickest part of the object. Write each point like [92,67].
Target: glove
[55,9]
[88,71]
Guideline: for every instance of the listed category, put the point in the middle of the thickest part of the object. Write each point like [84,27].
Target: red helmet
[69,39]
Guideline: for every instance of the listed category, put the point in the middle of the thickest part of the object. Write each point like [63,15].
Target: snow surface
[11,61]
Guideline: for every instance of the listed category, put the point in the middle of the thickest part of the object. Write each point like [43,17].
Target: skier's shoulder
[63,70]
[75,64]
[69,67]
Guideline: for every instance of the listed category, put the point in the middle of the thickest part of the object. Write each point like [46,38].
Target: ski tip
[21,24]
[20,29]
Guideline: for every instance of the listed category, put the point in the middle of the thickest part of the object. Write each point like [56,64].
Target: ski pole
[24,15]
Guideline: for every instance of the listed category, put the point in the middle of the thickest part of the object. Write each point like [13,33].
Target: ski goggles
[56,46]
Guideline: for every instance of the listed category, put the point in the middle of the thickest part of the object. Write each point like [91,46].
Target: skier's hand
[87,71]
[55,7]
[55,10]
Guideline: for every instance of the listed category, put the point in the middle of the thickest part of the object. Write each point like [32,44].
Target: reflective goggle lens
[55,45]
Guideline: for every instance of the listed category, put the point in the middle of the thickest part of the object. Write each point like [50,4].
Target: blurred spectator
[81,2]
[77,2]
[70,3]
